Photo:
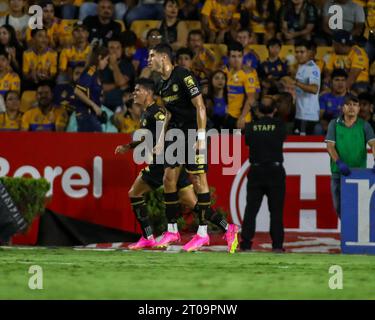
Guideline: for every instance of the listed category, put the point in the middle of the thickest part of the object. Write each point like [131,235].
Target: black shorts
[153,176]
[192,162]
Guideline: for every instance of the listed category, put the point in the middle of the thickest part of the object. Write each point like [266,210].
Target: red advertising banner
[90,183]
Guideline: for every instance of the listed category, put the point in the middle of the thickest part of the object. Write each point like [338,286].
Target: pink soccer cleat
[196,243]
[142,243]
[167,239]
[231,236]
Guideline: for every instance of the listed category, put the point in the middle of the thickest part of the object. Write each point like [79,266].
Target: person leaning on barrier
[347,140]
[266,176]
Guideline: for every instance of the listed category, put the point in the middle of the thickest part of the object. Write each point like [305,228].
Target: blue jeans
[144,12]
[88,122]
[336,194]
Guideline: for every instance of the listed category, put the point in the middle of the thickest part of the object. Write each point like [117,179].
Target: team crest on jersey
[159,116]
[175,88]
[189,81]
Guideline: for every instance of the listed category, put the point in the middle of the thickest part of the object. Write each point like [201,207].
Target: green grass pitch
[73,274]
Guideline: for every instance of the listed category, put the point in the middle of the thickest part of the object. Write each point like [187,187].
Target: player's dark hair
[365,96]
[351,98]
[339,73]
[164,48]
[146,83]
[274,42]
[195,32]
[304,43]
[186,51]
[34,32]
[235,46]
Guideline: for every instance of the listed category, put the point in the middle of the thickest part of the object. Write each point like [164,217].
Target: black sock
[214,217]
[172,206]
[204,203]
[139,208]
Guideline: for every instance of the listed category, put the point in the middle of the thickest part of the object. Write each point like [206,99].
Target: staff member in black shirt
[266,176]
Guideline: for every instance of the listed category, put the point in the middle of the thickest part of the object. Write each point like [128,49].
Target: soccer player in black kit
[266,176]
[151,177]
[181,95]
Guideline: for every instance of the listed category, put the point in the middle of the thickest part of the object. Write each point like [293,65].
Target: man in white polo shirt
[307,85]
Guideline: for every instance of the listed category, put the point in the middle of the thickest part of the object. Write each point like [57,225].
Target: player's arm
[201,112]
[163,123]
[129,146]
[81,92]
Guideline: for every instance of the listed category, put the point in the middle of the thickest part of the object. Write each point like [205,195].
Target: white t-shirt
[19,24]
[307,104]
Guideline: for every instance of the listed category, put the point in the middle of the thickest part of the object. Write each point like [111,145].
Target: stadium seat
[219,50]
[193,24]
[260,50]
[141,27]
[122,25]
[28,100]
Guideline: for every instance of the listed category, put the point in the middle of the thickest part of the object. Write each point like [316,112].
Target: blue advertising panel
[358,212]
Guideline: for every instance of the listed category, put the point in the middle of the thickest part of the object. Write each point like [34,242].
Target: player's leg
[136,196]
[172,206]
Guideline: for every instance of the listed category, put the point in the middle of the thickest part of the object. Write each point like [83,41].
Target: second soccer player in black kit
[266,176]
[181,95]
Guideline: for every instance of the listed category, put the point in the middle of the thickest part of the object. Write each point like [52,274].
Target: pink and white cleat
[142,243]
[167,239]
[196,243]
[231,236]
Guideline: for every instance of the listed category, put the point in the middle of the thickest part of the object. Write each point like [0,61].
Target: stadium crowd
[238,50]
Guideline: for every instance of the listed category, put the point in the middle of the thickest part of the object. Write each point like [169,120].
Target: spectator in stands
[14,48]
[353,17]
[101,26]
[140,57]
[17,17]
[307,85]
[350,57]
[117,76]
[89,8]
[366,105]
[242,88]
[40,61]
[88,91]
[184,58]
[130,121]
[370,24]
[250,59]
[190,9]
[10,120]
[217,99]
[273,68]
[204,60]
[145,10]
[9,80]
[77,54]
[332,102]
[173,30]
[46,116]
[219,17]
[314,50]
[63,93]
[298,19]
[259,15]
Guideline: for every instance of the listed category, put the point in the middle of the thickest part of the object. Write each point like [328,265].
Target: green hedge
[29,195]
[156,210]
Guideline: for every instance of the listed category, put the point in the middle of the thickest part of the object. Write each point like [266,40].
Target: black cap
[79,24]
[342,36]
